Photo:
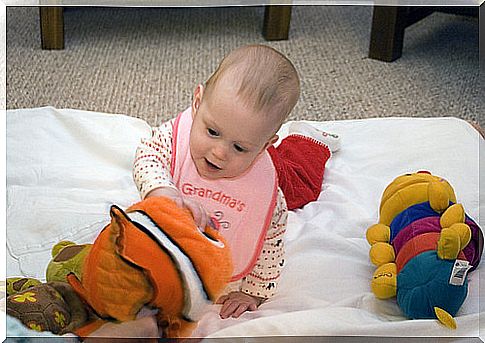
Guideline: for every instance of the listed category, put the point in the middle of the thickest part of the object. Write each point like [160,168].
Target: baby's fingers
[198,212]
[179,201]
[228,309]
[222,299]
[240,310]
[252,307]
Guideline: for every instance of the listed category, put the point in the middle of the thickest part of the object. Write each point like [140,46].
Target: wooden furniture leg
[387,33]
[388,26]
[276,25]
[276,22]
[52,27]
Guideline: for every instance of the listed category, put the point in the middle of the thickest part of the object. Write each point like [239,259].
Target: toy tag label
[458,274]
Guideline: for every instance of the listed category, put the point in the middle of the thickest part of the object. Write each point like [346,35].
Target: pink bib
[243,206]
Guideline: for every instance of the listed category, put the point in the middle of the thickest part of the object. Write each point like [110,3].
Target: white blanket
[66,167]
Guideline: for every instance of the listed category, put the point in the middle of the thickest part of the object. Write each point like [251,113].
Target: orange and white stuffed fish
[153,255]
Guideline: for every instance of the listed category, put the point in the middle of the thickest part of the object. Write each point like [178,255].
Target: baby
[218,160]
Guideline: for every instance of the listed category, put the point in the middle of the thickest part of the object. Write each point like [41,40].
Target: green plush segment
[19,284]
[58,270]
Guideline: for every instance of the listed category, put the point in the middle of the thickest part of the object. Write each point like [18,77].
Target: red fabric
[300,165]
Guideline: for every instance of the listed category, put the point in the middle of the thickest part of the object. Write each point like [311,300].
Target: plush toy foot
[465,233]
[439,199]
[453,214]
[453,240]
[381,253]
[378,233]
[19,284]
[384,281]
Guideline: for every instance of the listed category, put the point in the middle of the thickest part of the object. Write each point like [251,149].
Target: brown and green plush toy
[18,284]
[51,306]
[152,255]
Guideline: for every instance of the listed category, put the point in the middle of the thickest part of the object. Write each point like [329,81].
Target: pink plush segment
[416,228]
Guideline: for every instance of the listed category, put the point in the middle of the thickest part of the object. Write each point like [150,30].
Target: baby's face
[227,137]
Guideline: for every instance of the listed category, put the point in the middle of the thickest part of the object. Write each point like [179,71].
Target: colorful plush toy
[153,255]
[51,306]
[18,284]
[424,245]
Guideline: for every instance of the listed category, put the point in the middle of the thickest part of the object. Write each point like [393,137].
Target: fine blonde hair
[265,79]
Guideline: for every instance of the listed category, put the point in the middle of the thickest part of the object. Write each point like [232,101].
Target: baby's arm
[153,160]
[151,171]
[262,282]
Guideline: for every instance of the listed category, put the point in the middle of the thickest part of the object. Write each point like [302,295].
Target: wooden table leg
[388,26]
[276,22]
[387,33]
[52,27]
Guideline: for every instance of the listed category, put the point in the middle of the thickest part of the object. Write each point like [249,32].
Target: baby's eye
[212,132]
[239,148]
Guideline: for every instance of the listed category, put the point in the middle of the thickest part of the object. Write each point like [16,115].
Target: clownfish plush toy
[153,255]
[423,246]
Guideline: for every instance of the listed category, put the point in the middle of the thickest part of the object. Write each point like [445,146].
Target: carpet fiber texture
[146,62]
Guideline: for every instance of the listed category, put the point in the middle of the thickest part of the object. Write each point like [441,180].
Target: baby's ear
[198,93]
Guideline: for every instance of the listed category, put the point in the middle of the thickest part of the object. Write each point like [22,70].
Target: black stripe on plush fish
[195,295]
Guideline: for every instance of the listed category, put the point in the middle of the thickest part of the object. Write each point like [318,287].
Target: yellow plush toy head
[410,189]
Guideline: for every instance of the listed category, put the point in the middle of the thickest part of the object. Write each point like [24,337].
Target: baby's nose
[220,152]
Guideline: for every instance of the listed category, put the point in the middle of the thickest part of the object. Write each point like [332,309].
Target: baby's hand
[201,217]
[236,303]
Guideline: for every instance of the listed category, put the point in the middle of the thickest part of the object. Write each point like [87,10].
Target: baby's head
[240,109]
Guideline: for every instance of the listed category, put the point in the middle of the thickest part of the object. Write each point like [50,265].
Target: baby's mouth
[212,165]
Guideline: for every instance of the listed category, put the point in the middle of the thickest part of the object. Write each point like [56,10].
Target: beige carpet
[146,62]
